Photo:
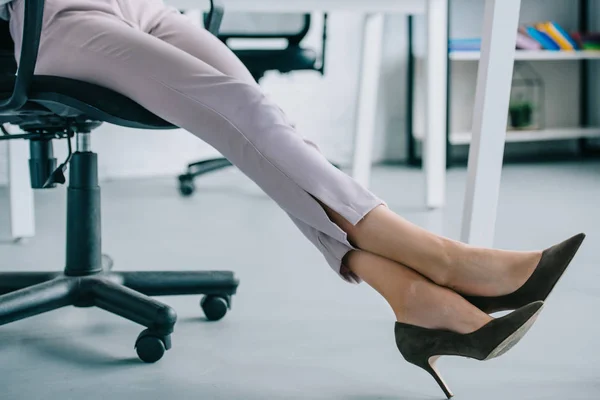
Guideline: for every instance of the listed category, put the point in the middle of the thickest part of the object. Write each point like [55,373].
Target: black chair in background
[48,108]
[255,28]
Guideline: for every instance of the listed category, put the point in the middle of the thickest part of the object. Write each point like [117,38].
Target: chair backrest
[290,26]
[8,64]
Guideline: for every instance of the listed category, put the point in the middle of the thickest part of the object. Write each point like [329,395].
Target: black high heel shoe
[552,265]
[422,347]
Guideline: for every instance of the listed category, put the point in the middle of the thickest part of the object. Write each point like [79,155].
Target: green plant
[521,114]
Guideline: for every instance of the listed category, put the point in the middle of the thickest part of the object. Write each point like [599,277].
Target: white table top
[363,6]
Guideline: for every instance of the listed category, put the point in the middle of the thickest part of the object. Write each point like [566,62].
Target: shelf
[539,55]
[543,135]
[535,135]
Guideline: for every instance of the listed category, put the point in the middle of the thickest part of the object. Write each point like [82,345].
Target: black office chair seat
[293,58]
[70,97]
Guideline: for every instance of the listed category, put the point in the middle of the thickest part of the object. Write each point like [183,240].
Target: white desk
[493,91]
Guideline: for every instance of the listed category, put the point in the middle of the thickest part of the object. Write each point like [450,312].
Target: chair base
[88,279]
[122,293]
[186,180]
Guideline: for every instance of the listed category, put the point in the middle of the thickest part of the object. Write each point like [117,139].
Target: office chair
[47,108]
[291,28]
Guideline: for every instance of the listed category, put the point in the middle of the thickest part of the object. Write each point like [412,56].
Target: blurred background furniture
[48,108]
[254,38]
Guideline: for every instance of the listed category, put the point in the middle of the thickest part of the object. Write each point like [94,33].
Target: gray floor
[296,330]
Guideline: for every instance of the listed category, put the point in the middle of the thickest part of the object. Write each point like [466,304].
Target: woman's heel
[428,363]
[422,347]
[429,366]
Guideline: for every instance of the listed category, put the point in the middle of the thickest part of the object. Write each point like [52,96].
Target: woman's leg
[466,269]
[450,263]
[170,26]
[414,299]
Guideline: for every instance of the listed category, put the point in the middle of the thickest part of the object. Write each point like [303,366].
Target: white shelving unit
[513,136]
[457,138]
[526,55]
[576,125]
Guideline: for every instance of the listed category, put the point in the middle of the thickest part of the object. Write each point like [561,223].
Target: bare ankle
[447,262]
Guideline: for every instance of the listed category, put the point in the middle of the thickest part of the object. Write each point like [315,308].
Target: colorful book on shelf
[587,41]
[566,35]
[525,42]
[558,34]
[464,44]
[542,38]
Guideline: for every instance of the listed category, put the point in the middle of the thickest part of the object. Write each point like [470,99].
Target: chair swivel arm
[32,28]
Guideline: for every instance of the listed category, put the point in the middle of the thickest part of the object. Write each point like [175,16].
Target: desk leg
[490,120]
[20,194]
[367,96]
[434,150]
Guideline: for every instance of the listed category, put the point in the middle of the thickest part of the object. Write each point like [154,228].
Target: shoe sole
[514,338]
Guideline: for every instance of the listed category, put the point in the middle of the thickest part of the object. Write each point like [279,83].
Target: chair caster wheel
[107,263]
[186,187]
[151,346]
[214,307]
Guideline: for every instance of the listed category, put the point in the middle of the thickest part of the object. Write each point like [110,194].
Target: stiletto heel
[422,347]
[551,267]
[433,371]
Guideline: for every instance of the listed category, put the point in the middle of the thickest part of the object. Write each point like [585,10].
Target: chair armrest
[32,29]
[215,16]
